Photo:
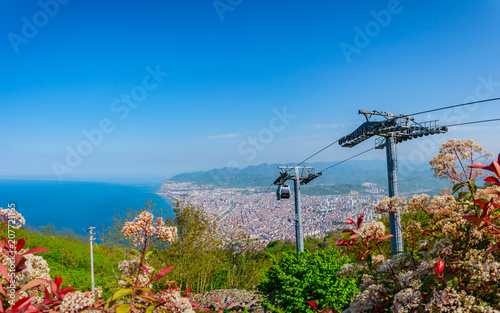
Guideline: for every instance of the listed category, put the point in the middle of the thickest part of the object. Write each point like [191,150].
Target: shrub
[451,260]
[293,281]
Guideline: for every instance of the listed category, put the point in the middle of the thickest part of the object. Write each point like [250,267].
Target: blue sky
[172,86]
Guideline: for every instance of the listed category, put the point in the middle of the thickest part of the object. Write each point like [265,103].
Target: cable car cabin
[283,192]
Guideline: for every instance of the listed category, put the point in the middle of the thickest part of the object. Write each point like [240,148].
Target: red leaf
[439,267]
[348,231]
[21,304]
[47,294]
[35,250]
[145,268]
[350,221]
[163,273]
[353,236]
[360,220]
[4,272]
[188,290]
[312,304]
[58,282]
[492,179]
[20,244]
[33,283]
[495,167]
[216,299]
[492,248]
[471,218]
[479,165]
[385,237]
[342,243]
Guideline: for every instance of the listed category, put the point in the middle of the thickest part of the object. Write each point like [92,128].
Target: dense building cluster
[262,216]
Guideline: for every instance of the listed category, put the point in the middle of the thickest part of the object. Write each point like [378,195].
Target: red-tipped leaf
[33,283]
[163,273]
[360,220]
[4,272]
[350,221]
[492,248]
[21,304]
[439,267]
[58,282]
[479,165]
[385,237]
[35,250]
[471,218]
[20,244]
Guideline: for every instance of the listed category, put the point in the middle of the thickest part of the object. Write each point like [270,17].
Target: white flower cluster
[143,227]
[130,268]
[371,229]
[405,300]
[76,301]
[174,302]
[12,217]
[483,270]
[98,292]
[36,267]
[452,154]
[366,300]
[390,205]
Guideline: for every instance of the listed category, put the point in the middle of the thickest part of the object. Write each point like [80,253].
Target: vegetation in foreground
[451,259]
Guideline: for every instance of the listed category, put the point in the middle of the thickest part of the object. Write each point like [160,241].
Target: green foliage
[293,281]
[70,259]
[200,260]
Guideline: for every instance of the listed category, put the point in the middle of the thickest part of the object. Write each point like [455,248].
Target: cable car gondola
[283,192]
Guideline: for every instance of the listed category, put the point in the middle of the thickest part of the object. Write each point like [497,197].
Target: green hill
[70,259]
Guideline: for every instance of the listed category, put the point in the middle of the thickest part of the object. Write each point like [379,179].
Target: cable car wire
[338,163]
[454,106]
[475,122]
[318,152]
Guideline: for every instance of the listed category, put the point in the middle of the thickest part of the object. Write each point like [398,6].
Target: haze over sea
[76,205]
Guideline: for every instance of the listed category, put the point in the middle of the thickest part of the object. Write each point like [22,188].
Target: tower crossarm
[369,129]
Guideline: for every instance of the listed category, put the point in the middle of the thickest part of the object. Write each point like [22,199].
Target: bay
[76,205]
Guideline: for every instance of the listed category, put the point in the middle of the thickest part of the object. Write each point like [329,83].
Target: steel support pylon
[392,175]
[299,229]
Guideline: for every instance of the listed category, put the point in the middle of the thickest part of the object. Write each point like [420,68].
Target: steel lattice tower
[394,129]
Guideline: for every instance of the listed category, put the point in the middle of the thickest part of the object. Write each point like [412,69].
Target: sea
[76,205]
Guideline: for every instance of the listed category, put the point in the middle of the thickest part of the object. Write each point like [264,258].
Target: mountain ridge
[413,175]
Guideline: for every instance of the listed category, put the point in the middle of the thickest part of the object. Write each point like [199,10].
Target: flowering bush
[25,284]
[451,260]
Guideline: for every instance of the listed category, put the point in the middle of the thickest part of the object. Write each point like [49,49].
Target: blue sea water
[76,205]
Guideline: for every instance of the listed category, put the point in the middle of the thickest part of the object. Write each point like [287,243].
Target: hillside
[349,174]
[70,259]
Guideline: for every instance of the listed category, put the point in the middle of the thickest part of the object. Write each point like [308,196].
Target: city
[264,217]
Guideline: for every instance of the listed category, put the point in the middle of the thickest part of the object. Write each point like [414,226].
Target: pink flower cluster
[174,302]
[144,226]
[76,301]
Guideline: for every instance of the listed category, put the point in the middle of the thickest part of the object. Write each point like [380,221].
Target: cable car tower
[394,129]
[305,176]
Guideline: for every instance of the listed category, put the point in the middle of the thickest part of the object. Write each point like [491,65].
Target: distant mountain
[413,175]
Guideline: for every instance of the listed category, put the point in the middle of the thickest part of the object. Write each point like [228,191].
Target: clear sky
[148,89]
